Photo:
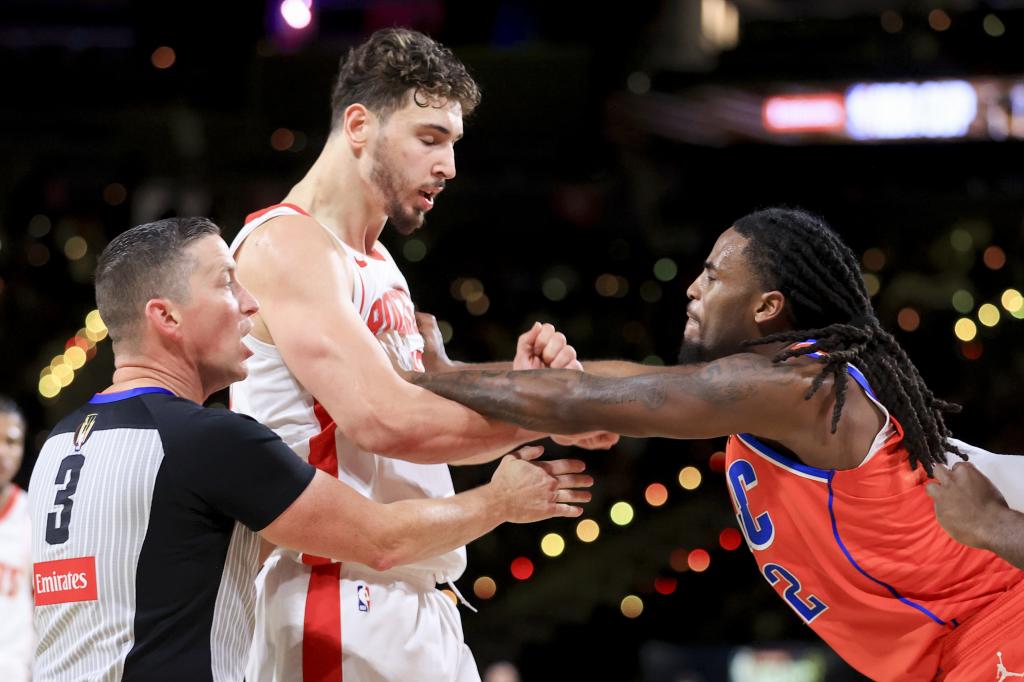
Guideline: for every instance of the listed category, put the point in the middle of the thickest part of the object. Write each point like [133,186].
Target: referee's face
[216,317]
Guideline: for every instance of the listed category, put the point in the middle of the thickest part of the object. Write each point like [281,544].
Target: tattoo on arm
[566,401]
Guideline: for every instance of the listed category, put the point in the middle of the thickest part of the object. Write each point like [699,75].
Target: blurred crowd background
[614,143]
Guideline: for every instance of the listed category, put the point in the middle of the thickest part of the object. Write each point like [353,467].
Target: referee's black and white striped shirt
[144,507]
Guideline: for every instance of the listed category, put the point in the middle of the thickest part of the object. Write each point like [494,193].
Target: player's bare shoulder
[284,237]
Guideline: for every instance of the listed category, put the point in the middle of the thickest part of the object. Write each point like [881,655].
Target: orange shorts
[990,646]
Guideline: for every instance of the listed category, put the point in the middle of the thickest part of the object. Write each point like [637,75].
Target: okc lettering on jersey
[65,580]
[759,531]
[393,310]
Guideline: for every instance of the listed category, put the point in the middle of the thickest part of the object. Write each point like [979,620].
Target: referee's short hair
[146,262]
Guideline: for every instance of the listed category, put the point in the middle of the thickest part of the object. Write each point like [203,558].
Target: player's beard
[389,182]
[691,353]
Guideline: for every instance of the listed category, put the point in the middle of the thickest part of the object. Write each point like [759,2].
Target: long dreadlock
[797,253]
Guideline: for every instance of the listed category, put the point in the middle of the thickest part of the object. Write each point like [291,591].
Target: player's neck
[140,371]
[336,195]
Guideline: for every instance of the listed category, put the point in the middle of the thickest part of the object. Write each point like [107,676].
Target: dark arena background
[613,144]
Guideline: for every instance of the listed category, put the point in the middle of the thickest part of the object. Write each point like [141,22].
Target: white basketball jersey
[271,394]
[17,641]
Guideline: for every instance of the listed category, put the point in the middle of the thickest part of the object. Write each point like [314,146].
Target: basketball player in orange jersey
[832,437]
[334,308]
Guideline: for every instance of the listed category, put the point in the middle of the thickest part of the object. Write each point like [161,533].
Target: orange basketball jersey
[859,555]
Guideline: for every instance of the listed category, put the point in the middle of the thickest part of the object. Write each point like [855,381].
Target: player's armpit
[303,281]
[744,392]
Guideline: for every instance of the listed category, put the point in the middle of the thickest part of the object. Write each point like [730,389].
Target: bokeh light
[621,513]
[163,57]
[699,560]
[665,585]
[730,539]
[656,494]
[588,530]
[994,258]
[521,568]
[963,301]
[484,587]
[552,544]
[908,319]
[689,478]
[939,20]
[1012,300]
[965,329]
[988,315]
[873,259]
[631,606]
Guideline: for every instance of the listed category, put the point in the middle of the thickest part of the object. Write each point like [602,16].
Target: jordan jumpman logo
[1001,671]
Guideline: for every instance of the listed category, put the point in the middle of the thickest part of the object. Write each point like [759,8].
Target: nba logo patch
[363,597]
[83,430]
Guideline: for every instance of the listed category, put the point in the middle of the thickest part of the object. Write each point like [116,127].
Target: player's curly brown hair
[380,73]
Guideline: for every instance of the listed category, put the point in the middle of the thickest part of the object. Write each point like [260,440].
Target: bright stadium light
[297,13]
[891,111]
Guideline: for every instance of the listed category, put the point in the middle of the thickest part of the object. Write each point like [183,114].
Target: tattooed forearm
[678,402]
[650,393]
[522,400]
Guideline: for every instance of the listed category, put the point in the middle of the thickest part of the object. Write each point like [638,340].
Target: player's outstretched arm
[304,285]
[974,513]
[744,392]
[541,346]
[331,519]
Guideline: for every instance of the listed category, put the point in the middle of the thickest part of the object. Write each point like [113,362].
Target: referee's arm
[331,519]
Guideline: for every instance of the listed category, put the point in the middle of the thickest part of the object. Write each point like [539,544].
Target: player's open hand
[538,490]
[542,346]
[966,502]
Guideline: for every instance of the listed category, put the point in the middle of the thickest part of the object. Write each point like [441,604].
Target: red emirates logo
[65,580]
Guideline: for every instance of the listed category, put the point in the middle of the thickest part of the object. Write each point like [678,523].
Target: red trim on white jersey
[321,626]
[253,216]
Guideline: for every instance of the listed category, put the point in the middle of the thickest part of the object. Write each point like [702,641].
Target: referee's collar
[101,398]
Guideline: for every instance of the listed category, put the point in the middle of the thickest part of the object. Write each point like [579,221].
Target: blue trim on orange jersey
[857,375]
[849,557]
[102,398]
[822,474]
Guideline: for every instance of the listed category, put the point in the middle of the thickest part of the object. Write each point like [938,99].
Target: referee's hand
[534,491]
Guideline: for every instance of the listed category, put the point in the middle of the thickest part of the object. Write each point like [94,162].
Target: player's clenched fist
[534,491]
[542,346]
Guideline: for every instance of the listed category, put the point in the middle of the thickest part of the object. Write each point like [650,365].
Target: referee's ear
[163,317]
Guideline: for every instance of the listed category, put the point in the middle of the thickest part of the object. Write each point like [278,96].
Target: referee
[147,508]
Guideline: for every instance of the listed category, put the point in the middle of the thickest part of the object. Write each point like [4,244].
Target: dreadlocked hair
[798,254]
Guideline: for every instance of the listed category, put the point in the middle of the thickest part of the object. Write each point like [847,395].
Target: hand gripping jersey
[859,555]
[272,395]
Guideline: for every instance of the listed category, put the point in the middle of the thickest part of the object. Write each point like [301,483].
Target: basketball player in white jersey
[16,638]
[333,300]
